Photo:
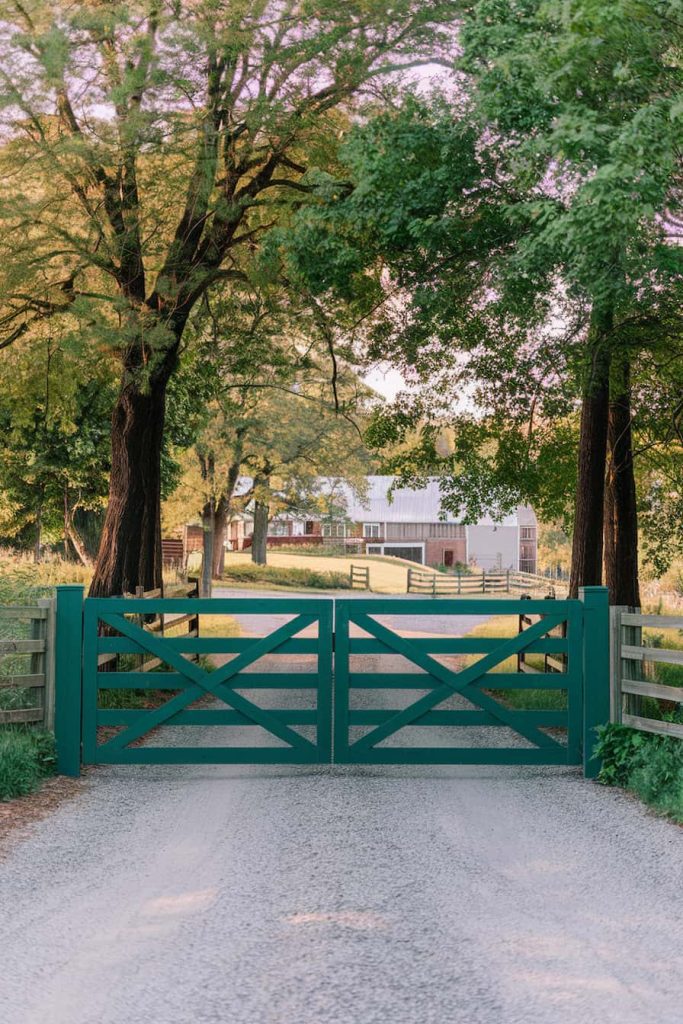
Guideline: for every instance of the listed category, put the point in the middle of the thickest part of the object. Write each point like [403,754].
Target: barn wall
[492,547]
[435,551]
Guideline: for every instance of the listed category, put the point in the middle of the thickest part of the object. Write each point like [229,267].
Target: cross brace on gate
[339,721]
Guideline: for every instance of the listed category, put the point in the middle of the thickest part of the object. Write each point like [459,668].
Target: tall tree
[150,146]
[586,99]
[54,443]
[556,213]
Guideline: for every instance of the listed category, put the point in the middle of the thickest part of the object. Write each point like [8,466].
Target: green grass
[287,577]
[521,700]
[26,758]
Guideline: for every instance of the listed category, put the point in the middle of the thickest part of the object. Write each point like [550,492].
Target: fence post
[49,663]
[508,582]
[615,613]
[68,678]
[596,675]
[483,581]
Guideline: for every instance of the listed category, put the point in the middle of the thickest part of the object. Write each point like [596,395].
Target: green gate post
[596,669]
[68,678]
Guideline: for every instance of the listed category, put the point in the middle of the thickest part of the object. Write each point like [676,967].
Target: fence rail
[359,577]
[27,675]
[551,662]
[159,623]
[635,673]
[455,584]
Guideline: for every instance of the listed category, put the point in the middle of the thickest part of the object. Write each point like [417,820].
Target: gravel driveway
[363,895]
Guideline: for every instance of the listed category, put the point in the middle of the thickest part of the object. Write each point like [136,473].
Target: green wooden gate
[110,626]
[473,685]
[339,718]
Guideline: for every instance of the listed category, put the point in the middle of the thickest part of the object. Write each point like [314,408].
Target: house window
[528,532]
[334,529]
[278,529]
[371,530]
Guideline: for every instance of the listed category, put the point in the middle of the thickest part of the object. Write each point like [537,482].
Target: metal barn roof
[403,506]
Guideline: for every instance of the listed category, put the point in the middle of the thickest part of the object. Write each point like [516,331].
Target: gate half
[441,687]
[231,698]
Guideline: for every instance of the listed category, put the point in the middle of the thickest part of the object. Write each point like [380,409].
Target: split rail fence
[27,654]
[644,676]
[27,666]
[456,584]
[163,625]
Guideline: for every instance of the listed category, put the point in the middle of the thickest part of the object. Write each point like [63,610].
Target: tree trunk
[130,549]
[621,513]
[260,535]
[587,541]
[208,526]
[220,526]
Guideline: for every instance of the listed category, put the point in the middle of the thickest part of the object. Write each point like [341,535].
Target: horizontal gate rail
[187,682]
[472,682]
[97,722]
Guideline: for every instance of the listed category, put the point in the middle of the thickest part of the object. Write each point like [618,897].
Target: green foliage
[649,765]
[26,758]
[287,577]
[55,413]
[618,747]
[504,222]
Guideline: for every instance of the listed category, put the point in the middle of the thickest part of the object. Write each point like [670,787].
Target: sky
[386,380]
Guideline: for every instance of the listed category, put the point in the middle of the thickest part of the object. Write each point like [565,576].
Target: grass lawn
[528,700]
[387,576]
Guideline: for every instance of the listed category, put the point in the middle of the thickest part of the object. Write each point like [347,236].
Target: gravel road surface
[361,895]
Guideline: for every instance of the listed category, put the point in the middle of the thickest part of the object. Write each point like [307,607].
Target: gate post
[596,671]
[68,678]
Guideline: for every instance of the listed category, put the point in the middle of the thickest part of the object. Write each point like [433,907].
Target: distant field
[387,576]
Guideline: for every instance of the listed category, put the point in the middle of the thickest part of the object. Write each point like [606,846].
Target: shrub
[649,765]
[25,759]
[618,747]
[286,577]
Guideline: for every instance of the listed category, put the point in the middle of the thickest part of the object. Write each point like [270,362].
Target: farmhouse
[404,523]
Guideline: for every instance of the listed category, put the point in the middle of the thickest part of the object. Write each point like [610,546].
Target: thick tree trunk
[220,525]
[621,513]
[587,541]
[130,549]
[260,536]
[209,526]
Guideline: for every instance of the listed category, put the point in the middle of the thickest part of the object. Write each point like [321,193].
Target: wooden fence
[27,672]
[27,654]
[551,662]
[163,625]
[636,672]
[359,577]
[455,584]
